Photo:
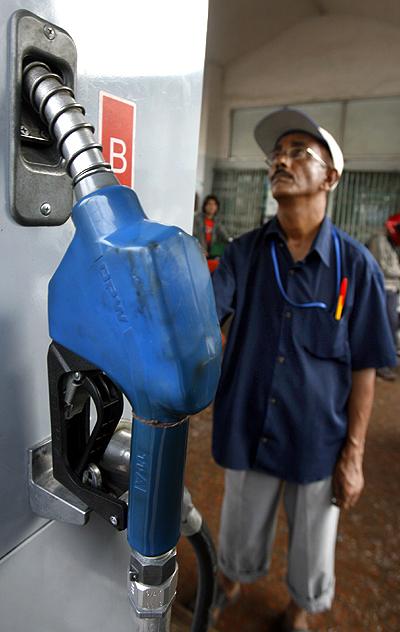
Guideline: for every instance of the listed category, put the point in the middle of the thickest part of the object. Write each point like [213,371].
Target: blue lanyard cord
[338,261]
[279,280]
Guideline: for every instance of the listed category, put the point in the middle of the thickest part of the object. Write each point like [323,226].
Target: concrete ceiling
[238,27]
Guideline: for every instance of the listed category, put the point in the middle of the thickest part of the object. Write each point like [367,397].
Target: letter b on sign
[118,155]
[117,118]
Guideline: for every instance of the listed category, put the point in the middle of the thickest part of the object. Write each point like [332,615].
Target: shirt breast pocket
[324,337]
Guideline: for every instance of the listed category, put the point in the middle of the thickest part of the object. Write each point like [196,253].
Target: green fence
[242,196]
[363,201]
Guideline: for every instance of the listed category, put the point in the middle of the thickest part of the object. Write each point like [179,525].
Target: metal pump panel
[47,566]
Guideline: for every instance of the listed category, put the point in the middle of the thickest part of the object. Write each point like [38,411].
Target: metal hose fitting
[152,583]
[56,105]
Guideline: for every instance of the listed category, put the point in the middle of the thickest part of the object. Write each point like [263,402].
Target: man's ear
[331,180]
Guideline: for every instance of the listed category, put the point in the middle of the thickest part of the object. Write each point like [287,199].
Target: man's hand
[348,479]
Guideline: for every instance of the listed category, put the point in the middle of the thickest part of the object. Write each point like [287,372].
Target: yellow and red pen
[341,299]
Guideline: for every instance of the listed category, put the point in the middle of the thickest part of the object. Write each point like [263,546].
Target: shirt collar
[322,243]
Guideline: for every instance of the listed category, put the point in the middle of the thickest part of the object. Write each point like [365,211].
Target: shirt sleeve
[390,263]
[386,257]
[370,336]
[221,232]
[224,283]
[198,229]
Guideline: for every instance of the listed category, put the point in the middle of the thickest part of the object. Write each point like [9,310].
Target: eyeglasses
[294,153]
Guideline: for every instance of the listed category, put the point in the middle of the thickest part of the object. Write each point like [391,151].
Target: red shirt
[208,228]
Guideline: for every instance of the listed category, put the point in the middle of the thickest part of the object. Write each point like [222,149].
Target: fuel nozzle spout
[55,102]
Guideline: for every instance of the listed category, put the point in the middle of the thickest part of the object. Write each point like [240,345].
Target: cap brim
[275,125]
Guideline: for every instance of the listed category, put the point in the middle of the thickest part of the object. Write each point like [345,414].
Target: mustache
[280,171]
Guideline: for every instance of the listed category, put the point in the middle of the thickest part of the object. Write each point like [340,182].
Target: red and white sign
[117,122]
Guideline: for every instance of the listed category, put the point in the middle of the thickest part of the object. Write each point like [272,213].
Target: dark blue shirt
[281,404]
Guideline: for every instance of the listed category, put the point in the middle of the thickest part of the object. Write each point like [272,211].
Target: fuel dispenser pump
[131,311]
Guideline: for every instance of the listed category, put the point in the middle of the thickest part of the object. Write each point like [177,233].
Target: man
[309,328]
[382,245]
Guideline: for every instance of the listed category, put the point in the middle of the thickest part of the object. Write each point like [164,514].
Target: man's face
[291,177]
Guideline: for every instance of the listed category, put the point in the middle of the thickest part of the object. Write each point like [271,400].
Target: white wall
[325,58]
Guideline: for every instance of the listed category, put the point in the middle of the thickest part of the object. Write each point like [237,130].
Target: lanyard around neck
[319,304]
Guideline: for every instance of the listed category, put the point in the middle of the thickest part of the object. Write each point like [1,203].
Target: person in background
[382,246]
[309,327]
[209,230]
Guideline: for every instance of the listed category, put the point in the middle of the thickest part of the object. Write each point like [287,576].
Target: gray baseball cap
[286,120]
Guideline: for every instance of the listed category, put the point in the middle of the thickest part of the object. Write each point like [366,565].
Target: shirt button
[272,400]
[264,439]
[281,359]
[288,314]
[291,272]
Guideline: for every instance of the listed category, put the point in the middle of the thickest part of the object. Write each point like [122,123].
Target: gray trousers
[248,524]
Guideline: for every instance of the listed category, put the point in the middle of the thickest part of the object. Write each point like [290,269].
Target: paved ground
[368,553]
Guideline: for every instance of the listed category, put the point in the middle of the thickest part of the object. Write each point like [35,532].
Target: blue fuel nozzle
[134,298]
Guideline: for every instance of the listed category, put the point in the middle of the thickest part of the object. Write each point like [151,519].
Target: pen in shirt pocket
[341,298]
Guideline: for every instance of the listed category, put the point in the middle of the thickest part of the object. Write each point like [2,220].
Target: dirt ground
[368,551]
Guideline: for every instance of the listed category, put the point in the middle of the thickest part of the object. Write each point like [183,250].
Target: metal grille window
[242,194]
[361,204]
[364,200]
